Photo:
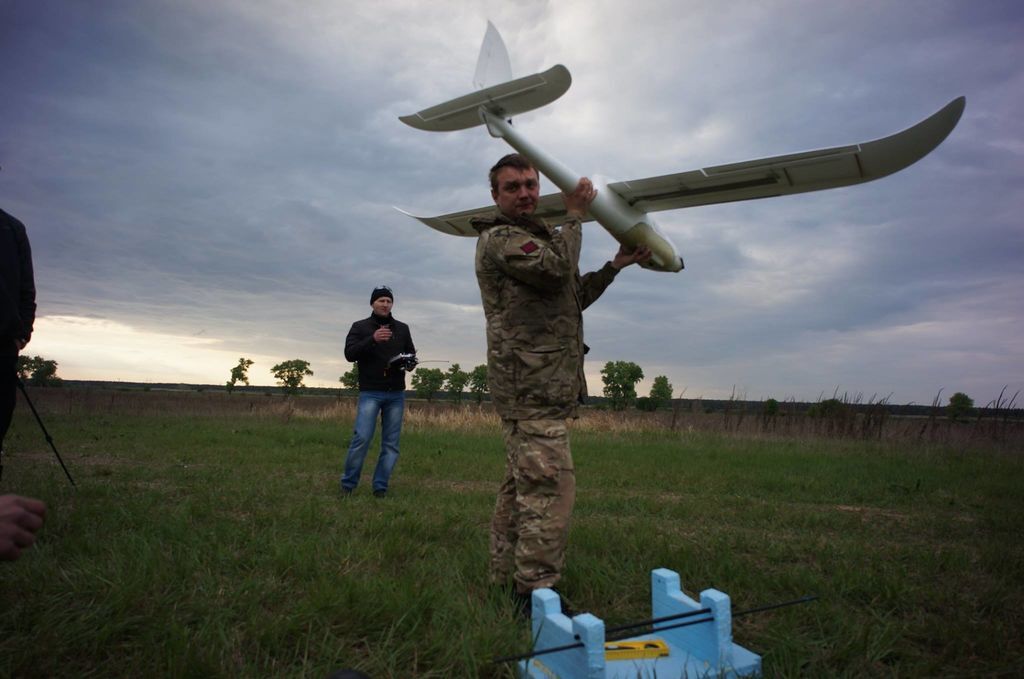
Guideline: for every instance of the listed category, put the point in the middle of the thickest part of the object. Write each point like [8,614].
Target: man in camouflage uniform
[533,298]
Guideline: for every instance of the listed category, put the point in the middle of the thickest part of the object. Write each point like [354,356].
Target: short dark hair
[516,160]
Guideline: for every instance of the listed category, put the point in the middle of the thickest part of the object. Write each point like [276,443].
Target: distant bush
[828,409]
[427,382]
[38,371]
[960,406]
[620,378]
[661,392]
[289,374]
[647,404]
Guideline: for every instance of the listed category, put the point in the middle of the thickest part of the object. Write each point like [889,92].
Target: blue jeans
[390,405]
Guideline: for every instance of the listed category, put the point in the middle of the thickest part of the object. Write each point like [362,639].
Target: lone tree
[240,373]
[478,382]
[38,371]
[427,382]
[456,380]
[350,380]
[960,405]
[661,392]
[830,408]
[290,374]
[620,378]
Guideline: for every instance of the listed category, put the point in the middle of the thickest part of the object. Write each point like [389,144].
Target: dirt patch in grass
[872,513]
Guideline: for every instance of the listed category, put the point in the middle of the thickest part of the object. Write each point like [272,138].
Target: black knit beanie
[382,291]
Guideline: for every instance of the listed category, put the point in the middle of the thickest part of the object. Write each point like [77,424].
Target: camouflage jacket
[533,298]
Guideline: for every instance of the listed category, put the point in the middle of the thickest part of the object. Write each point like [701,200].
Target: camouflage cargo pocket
[542,458]
[544,376]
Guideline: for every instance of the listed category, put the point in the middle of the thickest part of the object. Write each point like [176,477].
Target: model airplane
[623,208]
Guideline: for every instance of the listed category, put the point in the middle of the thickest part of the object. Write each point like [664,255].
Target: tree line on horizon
[619,377]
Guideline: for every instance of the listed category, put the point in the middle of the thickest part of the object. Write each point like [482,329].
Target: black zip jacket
[17,285]
[375,374]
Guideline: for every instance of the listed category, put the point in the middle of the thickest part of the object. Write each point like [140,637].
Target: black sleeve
[27,298]
[410,348]
[358,343]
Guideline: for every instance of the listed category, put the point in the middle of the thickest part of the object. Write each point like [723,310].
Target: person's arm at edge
[593,284]
[357,343]
[27,287]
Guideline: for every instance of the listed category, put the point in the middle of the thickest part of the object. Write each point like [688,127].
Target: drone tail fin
[496,91]
[493,66]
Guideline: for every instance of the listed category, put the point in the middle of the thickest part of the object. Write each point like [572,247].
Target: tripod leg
[49,439]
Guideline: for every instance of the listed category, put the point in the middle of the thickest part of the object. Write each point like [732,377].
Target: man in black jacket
[17,309]
[376,344]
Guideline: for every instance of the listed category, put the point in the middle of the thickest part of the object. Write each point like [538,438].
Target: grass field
[207,538]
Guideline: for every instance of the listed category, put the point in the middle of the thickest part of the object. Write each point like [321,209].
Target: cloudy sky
[204,180]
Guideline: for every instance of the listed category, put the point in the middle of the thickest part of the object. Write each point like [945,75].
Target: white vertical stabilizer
[493,65]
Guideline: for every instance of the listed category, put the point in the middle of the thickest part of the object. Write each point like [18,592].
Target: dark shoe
[524,602]
[380,493]
[568,610]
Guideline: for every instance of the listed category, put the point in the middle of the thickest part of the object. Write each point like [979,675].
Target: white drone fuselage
[627,225]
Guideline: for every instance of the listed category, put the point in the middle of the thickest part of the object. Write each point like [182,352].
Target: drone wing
[550,208]
[794,173]
[776,176]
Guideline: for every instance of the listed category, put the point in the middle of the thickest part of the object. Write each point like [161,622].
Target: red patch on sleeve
[529,247]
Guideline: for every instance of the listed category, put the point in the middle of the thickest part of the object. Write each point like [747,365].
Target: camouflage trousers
[530,526]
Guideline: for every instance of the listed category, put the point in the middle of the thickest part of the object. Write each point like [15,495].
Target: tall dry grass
[998,426]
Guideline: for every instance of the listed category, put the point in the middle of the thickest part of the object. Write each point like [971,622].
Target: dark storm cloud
[230,167]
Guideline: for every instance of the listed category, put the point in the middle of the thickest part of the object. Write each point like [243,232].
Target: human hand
[20,520]
[626,256]
[580,198]
[382,334]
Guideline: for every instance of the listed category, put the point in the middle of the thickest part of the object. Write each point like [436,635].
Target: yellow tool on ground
[635,650]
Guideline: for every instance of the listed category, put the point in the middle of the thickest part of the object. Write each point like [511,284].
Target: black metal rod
[668,627]
[737,614]
[524,656]
[769,607]
[49,439]
[580,644]
[654,621]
